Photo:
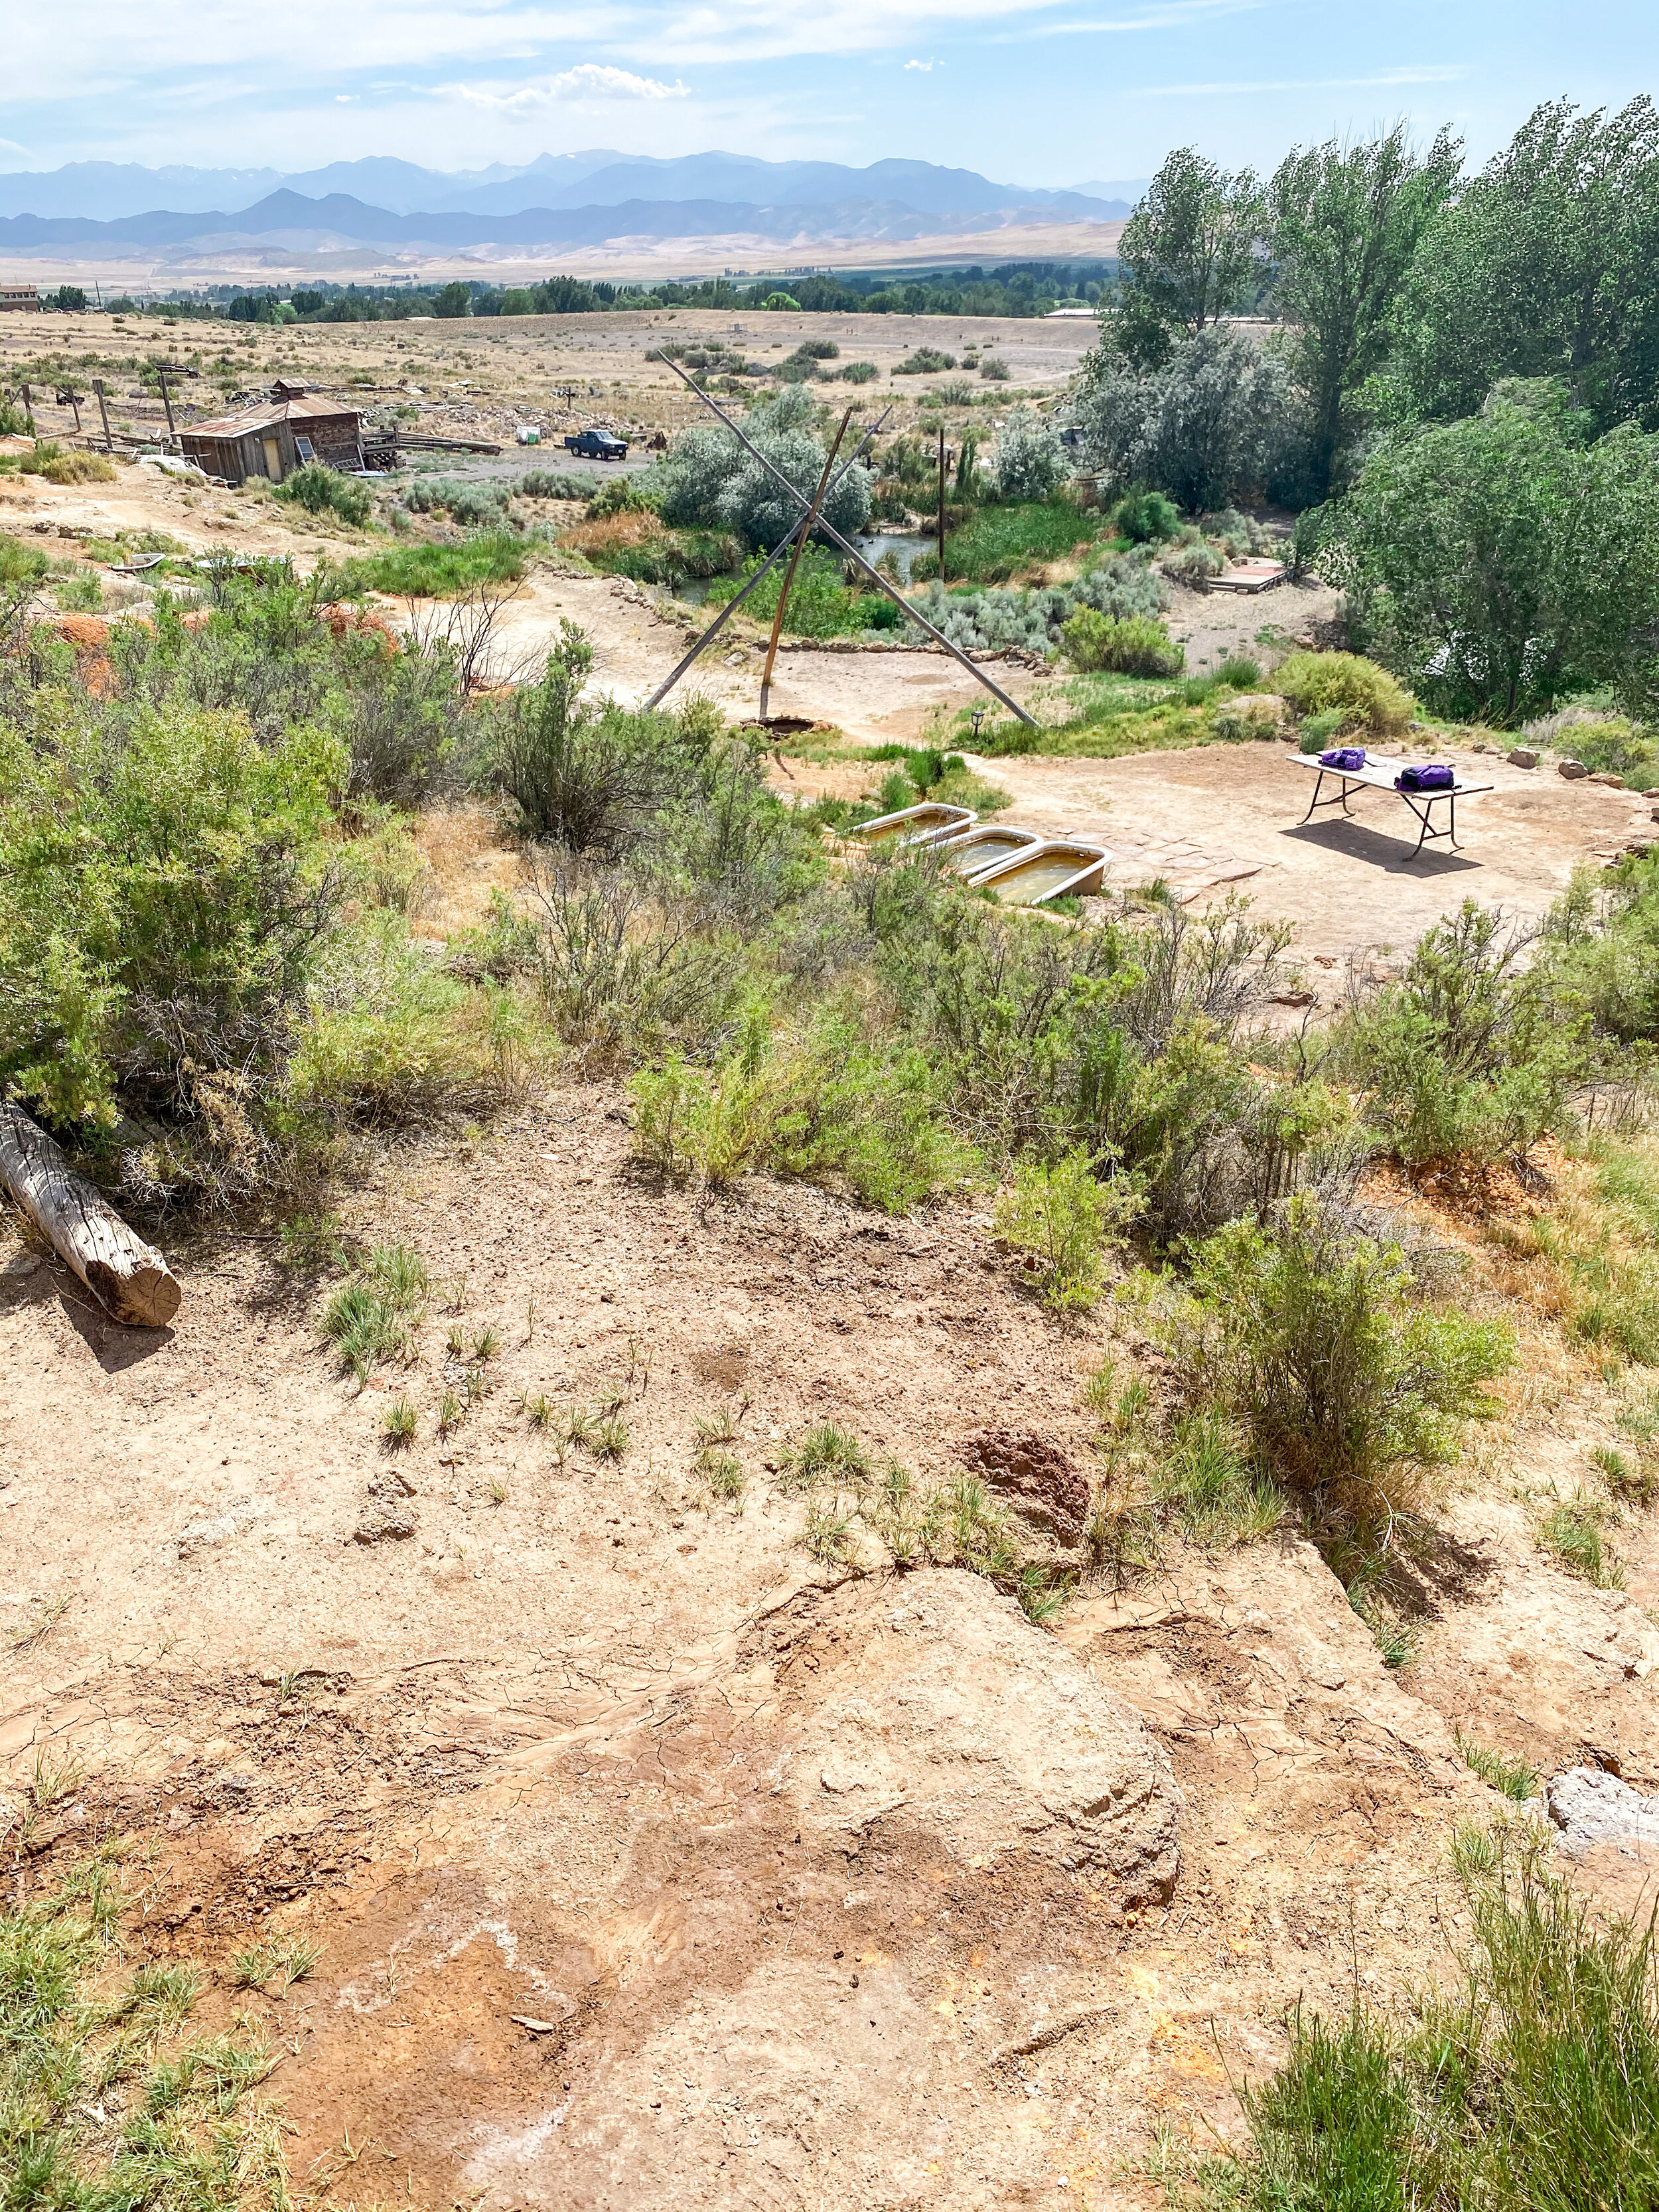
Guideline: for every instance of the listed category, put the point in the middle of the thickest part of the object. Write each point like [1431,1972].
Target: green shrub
[1060,1219]
[994,368]
[583,775]
[828,1104]
[924,361]
[1467,1055]
[859,371]
[1135,647]
[1368,696]
[392,1037]
[81,594]
[20,563]
[323,490]
[555,483]
[1147,518]
[1316,1341]
[163,884]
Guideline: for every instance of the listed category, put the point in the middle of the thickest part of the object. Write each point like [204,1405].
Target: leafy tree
[710,483]
[1186,254]
[1547,264]
[69,299]
[1344,224]
[1029,460]
[452,301]
[1500,561]
[1215,421]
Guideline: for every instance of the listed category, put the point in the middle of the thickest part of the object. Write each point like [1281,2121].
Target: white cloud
[924,66]
[587,81]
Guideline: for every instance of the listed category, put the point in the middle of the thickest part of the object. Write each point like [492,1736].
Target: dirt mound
[1041,1482]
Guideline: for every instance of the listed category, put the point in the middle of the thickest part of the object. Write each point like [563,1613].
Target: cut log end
[148,1298]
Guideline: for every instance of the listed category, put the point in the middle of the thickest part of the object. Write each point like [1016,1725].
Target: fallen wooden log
[129,1279]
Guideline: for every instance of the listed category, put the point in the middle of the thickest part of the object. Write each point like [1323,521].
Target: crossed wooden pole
[852,552]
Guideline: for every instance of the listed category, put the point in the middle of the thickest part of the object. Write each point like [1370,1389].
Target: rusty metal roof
[268,414]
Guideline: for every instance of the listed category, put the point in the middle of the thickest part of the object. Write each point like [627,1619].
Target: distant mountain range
[558,199]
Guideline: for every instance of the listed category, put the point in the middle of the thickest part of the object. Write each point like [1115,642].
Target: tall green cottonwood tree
[1344,225]
[1188,255]
[1547,264]
[1501,561]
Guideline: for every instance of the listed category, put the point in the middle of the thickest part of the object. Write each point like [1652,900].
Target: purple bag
[1344,756]
[1435,775]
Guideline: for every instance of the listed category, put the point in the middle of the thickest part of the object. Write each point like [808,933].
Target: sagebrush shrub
[1062,1219]
[1317,1342]
[323,490]
[1368,696]
[1135,647]
[164,882]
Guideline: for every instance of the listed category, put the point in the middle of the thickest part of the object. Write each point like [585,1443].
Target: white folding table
[1378,774]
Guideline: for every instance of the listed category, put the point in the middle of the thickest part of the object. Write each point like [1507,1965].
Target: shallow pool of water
[1038,879]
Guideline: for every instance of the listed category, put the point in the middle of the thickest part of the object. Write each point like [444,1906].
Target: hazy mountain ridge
[116,193]
[290,218]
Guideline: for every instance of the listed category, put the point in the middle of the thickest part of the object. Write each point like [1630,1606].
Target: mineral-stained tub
[918,825]
[1055,869]
[970,852]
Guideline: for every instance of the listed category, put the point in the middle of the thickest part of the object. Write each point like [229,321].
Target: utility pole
[941,503]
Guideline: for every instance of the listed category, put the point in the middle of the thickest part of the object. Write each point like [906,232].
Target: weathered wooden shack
[276,437]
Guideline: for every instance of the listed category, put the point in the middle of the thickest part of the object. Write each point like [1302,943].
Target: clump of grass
[537,1409]
[486,1343]
[1532,2088]
[1511,1777]
[89,2116]
[288,1958]
[719,1427]
[608,1439]
[450,1413]
[1572,1533]
[722,1474]
[474,1385]
[831,1535]
[401,1422]
[375,1315]
[1220,1493]
[827,1453]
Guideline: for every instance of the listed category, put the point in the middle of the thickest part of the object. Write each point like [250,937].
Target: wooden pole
[765,570]
[857,558]
[800,535]
[162,378]
[98,387]
[129,1279]
[941,503]
[29,409]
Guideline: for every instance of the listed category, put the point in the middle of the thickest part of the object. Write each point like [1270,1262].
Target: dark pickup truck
[596,445]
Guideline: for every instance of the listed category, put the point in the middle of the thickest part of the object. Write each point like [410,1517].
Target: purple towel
[1344,756]
[1435,775]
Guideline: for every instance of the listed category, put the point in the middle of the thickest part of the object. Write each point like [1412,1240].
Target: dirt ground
[480,379]
[650,1860]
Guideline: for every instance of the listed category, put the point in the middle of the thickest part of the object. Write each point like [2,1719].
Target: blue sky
[1043,92]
